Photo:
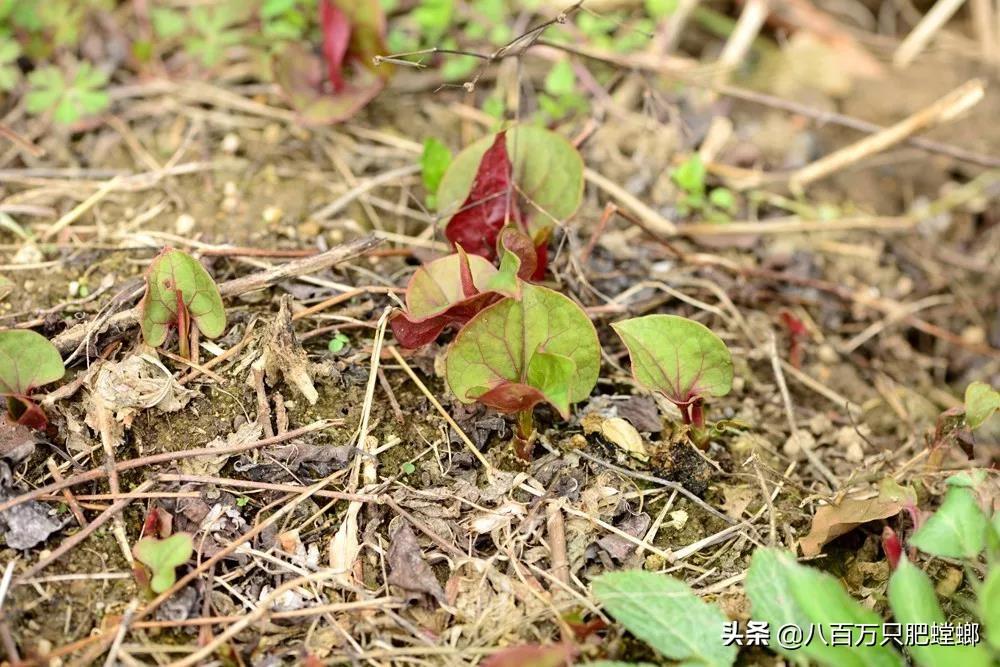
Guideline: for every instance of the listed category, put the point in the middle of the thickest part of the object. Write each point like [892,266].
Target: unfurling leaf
[336,36]
[27,361]
[517,353]
[667,615]
[163,557]
[981,401]
[446,292]
[527,176]
[178,291]
[832,521]
[680,358]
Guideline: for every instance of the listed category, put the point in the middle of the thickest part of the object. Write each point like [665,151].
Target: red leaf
[416,333]
[336,37]
[26,413]
[512,397]
[531,655]
[892,547]
[489,206]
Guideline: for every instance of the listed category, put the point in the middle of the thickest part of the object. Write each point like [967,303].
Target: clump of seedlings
[680,359]
[27,361]
[180,293]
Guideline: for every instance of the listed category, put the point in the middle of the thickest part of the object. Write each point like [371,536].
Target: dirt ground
[900,314]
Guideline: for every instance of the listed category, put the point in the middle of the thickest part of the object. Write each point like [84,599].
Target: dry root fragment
[284,357]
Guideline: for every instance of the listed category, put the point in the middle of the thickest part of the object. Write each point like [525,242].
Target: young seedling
[679,358]
[518,353]
[163,557]
[27,361]
[528,177]
[181,293]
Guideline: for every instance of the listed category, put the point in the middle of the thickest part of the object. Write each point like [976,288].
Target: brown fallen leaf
[407,567]
[832,521]
[17,442]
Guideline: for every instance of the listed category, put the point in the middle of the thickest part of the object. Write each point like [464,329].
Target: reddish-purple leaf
[512,397]
[531,655]
[336,37]
[892,547]
[447,291]
[490,206]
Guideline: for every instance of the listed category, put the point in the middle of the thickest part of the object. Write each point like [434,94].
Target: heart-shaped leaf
[163,557]
[528,176]
[956,530]
[517,353]
[680,358]
[179,290]
[27,361]
[446,291]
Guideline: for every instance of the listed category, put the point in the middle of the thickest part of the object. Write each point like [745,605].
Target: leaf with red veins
[520,351]
[179,289]
[490,206]
[336,37]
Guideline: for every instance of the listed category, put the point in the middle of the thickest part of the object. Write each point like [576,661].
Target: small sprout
[242,501]
[981,401]
[178,291]
[446,292]
[518,353]
[27,361]
[408,468]
[680,358]
[338,343]
[163,557]
[69,99]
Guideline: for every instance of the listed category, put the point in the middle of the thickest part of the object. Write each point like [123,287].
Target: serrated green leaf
[981,401]
[677,357]
[913,601]
[782,592]
[496,349]
[546,168]
[667,615]
[163,557]
[177,286]
[956,530]
[27,361]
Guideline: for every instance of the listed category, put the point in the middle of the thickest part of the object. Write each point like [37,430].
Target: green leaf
[618,663]
[163,557]
[433,17]
[782,592]
[723,198]
[493,357]
[167,22]
[561,79]
[27,361]
[956,530]
[981,401]
[434,162]
[667,615]
[338,343]
[678,357]
[660,8]
[690,176]
[177,287]
[68,101]
[913,601]
[989,606]
[546,168]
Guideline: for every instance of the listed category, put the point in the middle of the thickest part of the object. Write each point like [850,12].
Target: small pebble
[184,224]
[230,144]
[272,214]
